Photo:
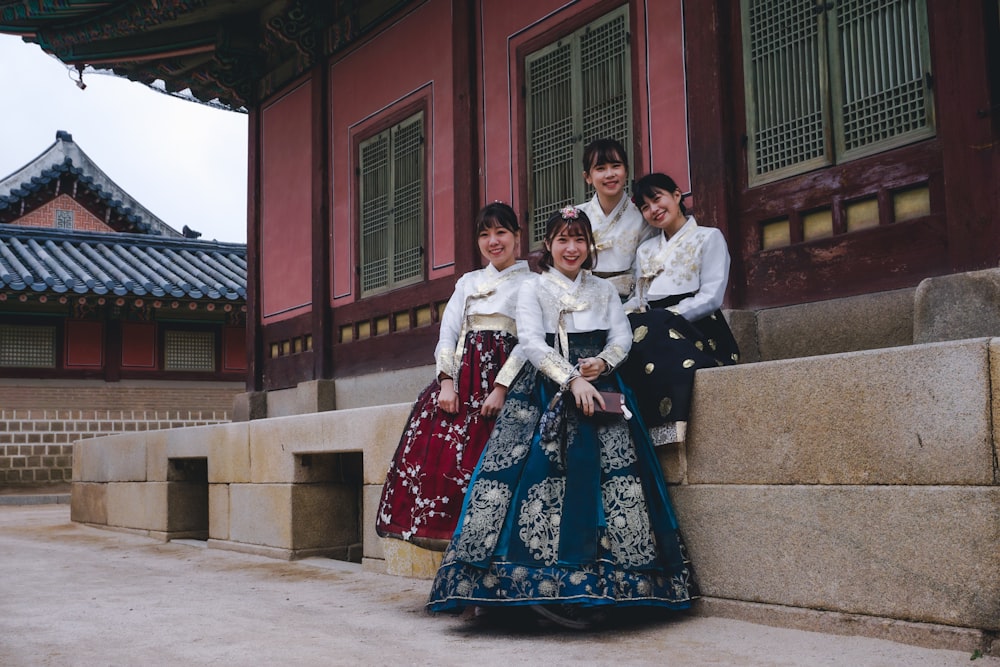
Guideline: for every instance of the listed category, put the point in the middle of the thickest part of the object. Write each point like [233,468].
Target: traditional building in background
[110,320]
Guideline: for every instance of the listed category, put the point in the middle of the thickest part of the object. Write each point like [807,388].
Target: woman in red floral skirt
[477,359]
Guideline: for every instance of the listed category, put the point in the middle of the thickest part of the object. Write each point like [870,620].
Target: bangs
[491,221]
[571,228]
[497,214]
[606,155]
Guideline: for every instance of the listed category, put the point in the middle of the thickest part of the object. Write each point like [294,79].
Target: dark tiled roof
[50,260]
[13,199]
[38,181]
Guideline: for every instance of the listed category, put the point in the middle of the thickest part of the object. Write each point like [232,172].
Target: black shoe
[570,616]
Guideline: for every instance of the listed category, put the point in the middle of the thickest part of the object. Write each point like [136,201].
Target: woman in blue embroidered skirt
[579,520]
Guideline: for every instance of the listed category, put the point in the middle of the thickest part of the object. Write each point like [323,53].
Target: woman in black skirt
[677,324]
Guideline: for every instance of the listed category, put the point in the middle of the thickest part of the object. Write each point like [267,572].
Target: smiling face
[605,168]
[608,179]
[499,245]
[570,248]
[663,210]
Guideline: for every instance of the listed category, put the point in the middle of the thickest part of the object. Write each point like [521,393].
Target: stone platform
[861,485]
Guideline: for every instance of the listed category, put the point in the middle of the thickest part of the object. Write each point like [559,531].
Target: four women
[567,510]
[578,519]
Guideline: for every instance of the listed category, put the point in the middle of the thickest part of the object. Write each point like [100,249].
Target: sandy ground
[77,595]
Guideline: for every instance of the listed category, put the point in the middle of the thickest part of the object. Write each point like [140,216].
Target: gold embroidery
[666,405]
[508,445]
[698,344]
[487,506]
[556,368]
[510,369]
[688,363]
[650,368]
[603,236]
[628,525]
[617,450]
[491,280]
[446,363]
[557,303]
[667,257]
[675,334]
[540,517]
[639,333]
[613,355]
[494,322]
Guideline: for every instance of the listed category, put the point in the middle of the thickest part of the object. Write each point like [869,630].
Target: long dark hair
[497,214]
[603,151]
[647,186]
[576,223]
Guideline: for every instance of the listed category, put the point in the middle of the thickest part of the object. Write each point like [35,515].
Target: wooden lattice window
[189,351]
[27,346]
[576,90]
[828,82]
[392,207]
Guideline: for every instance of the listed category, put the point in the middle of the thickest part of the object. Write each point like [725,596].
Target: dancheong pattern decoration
[218,52]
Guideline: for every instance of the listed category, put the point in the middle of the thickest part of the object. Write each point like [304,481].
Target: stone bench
[286,487]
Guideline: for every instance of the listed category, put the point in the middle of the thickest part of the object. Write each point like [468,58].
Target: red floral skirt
[437,453]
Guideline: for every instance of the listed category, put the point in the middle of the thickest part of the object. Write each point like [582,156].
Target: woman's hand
[491,406]
[586,395]
[592,367]
[447,398]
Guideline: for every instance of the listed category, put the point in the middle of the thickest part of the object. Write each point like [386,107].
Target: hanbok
[616,238]
[677,322]
[581,521]
[437,452]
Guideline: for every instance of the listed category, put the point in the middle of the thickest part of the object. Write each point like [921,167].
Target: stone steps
[863,484]
[860,483]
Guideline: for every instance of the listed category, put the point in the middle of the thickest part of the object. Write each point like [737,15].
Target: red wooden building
[844,148]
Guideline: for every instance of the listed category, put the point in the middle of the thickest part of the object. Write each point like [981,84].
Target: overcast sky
[185,162]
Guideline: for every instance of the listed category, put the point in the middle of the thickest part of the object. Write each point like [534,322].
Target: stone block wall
[284,487]
[863,484]
[854,493]
[40,421]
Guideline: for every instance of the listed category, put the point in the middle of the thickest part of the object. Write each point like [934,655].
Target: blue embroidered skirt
[586,521]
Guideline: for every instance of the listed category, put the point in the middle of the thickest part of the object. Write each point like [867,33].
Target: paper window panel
[189,351]
[23,346]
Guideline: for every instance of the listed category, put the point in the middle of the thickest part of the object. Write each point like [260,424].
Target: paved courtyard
[76,595]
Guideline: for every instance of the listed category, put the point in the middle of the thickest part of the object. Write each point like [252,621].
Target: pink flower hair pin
[569,213]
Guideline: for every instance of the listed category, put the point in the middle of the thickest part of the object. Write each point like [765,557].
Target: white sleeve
[713,278]
[451,327]
[531,335]
[619,333]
